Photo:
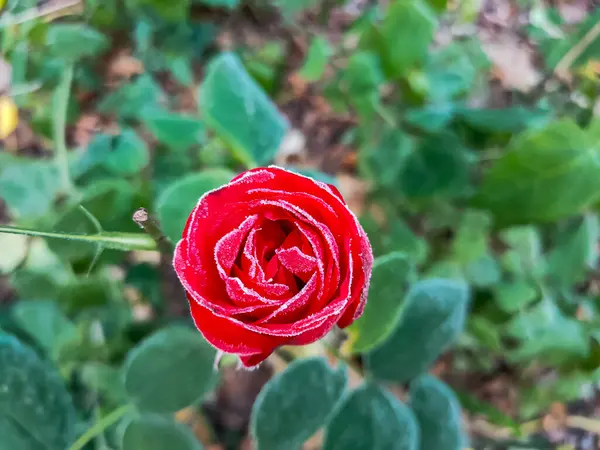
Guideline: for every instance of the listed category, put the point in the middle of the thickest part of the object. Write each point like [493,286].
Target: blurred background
[462,133]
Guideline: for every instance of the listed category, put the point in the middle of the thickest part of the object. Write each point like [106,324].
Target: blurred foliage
[483,218]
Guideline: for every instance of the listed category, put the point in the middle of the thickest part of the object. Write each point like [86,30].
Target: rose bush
[272,258]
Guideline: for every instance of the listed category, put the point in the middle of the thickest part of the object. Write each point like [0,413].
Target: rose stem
[149,225]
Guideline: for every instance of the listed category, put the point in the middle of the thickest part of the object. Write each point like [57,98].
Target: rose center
[276,252]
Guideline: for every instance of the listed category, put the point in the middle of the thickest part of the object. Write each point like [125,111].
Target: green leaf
[72,41]
[172,11]
[546,333]
[35,408]
[45,323]
[576,251]
[437,167]
[128,156]
[108,201]
[296,403]
[432,318]
[105,381]
[240,111]
[84,293]
[318,55]
[451,71]
[432,118]
[382,161]
[176,131]
[132,98]
[516,295]
[219,3]
[545,175]
[123,155]
[471,240]
[391,276]
[394,236]
[372,418]
[29,187]
[154,432]
[438,413]
[505,120]
[407,21]
[169,370]
[524,256]
[555,49]
[175,204]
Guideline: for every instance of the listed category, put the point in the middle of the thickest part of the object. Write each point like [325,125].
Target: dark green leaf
[391,276]
[73,41]
[35,408]
[169,370]
[438,413]
[407,21]
[154,432]
[382,161]
[576,251]
[437,167]
[132,98]
[29,187]
[45,323]
[544,175]
[175,204]
[545,332]
[316,59]
[240,111]
[174,130]
[372,418]
[172,11]
[432,318]
[219,3]
[505,120]
[296,403]
[128,156]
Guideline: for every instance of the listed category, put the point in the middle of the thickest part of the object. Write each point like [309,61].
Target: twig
[149,225]
[36,13]
[576,51]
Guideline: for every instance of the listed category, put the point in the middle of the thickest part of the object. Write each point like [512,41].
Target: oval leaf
[36,411]
[170,370]
[240,111]
[154,432]
[385,301]
[545,175]
[438,413]
[295,404]
[432,318]
[371,417]
[177,201]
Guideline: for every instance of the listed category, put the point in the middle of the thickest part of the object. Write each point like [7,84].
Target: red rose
[272,258]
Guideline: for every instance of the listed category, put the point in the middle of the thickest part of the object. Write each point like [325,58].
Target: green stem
[101,426]
[61,107]
[112,240]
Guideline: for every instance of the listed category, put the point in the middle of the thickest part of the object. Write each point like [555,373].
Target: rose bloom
[272,258]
